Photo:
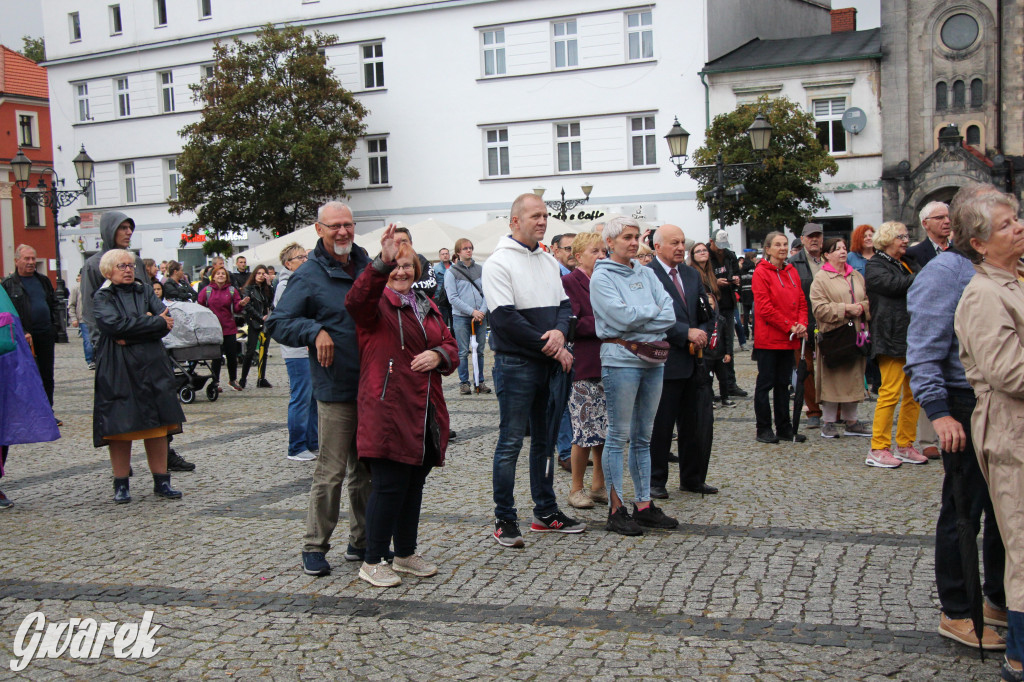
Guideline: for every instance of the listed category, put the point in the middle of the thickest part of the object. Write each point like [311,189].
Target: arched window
[941,96]
[974,136]
[959,95]
[977,92]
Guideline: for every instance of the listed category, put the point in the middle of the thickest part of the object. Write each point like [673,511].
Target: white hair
[331,205]
[614,227]
[21,247]
[926,212]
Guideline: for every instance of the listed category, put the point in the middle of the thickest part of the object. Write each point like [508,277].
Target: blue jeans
[302,412]
[463,331]
[86,341]
[522,386]
[1015,635]
[632,395]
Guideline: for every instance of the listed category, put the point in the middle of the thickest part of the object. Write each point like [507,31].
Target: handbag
[846,343]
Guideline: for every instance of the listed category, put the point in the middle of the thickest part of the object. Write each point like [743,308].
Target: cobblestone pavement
[808,565]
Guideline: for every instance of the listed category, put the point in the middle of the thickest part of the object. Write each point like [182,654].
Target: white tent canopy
[487,235]
[268,253]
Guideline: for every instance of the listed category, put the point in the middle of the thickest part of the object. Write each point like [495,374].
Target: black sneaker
[622,523]
[176,462]
[767,436]
[359,554]
[556,522]
[652,517]
[736,390]
[263,383]
[787,436]
[315,563]
[4,502]
[507,534]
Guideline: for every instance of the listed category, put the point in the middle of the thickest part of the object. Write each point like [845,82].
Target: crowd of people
[601,353]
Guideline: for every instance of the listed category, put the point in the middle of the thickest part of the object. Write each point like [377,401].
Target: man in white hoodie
[529,322]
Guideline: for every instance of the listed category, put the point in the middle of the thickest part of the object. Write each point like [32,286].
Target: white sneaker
[379,575]
[304,456]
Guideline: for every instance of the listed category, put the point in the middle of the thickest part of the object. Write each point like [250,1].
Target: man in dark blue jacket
[312,313]
[679,391]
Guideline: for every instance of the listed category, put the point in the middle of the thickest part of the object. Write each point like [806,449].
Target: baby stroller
[193,343]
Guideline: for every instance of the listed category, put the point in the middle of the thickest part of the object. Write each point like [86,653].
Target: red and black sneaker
[556,522]
[507,534]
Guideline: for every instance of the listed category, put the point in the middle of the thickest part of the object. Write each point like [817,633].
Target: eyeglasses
[938,217]
[903,237]
[302,257]
[125,266]
[337,226]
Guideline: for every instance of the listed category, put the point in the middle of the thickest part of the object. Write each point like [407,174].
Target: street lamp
[760,134]
[55,199]
[563,205]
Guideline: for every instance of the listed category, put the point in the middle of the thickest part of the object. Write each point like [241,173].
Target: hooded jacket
[525,298]
[93,279]
[631,304]
[779,302]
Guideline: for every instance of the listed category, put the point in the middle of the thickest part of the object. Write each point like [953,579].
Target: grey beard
[342,250]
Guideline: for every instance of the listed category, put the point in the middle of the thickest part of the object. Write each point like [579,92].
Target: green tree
[33,48]
[782,193]
[274,141]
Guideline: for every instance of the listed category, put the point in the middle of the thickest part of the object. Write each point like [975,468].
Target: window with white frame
[640,35]
[497,152]
[128,182]
[566,52]
[567,136]
[82,101]
[32,218]
[28,129]
[160,12]
[494,52]
[377,153]
[828,117]
[166,91]
[90,193]
[373,66]
[205,9]
[124,100]
[207,73]
[115,20]
[643,141]
[74,27]
[173,178]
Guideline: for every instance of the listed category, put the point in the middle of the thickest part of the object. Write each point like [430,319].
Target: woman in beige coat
[838,296]
[990,327]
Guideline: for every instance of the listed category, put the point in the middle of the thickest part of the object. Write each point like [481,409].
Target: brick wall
[844,19]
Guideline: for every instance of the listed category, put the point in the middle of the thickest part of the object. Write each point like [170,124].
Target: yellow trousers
[894,389]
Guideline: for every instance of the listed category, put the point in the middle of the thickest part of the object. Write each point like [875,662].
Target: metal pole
[61,291]
[720,190]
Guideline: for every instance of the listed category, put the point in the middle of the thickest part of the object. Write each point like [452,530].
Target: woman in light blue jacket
[631,309]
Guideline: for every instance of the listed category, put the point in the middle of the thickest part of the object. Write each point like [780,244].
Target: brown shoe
[931,452]
[995,615]
[483,388]
[565,464]
[962,630]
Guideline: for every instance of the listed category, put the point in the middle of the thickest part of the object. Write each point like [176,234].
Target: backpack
[231,290]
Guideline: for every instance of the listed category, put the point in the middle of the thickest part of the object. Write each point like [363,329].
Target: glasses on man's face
[125,266]
[938,217]
[334,227]
[903,237]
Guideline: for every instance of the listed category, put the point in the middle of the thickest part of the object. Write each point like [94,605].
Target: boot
[162,487]
[121,494]
[176,462]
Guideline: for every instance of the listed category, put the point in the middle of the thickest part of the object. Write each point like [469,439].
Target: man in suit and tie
[935,221]
[679,391]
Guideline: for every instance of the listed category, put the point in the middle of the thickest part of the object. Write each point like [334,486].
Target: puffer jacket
[779,303]
[888,281]
[630,304]
[223,301]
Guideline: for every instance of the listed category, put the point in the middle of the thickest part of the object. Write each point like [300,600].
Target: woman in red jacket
[404,349]
[780,321]
[225,301]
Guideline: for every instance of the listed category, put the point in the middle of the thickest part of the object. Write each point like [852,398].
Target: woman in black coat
[135,392]
[261,303]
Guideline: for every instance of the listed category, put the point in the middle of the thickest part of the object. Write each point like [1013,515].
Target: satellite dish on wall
[854,120]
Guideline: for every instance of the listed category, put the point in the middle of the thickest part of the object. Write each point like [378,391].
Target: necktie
[675,280]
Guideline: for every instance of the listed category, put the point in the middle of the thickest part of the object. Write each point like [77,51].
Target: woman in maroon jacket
[225,301]
[404,349]
[587,408]
[780,321]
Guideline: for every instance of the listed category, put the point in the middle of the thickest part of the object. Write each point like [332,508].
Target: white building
[472,101]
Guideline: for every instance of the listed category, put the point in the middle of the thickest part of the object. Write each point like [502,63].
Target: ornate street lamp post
[55,199]
[728,176]
[560,207]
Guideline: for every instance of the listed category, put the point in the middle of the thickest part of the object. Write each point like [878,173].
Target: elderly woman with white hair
[135,395]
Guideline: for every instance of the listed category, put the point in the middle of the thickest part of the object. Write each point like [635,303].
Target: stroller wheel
[186,395]
[212,393]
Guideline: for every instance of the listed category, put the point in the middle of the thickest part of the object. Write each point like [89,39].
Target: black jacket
[134,383]
[803,268]
[261,302]
[680,363]
[725,265]
[19,297]
[922,252]
[887,283]
[179,291]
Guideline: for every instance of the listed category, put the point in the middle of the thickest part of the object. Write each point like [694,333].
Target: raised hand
[388,245]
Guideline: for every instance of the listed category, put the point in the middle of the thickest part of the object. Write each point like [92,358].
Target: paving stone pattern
[808,565]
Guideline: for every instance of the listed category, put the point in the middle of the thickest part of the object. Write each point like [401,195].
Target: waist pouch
[655,352]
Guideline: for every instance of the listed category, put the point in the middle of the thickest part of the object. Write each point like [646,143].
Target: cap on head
[811,229]
[722,239]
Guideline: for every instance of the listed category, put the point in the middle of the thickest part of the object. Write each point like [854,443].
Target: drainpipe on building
[707,125]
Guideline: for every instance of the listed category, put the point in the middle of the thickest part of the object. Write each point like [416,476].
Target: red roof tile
[19,75]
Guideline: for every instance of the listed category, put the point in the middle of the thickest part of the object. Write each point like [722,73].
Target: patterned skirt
[588,413]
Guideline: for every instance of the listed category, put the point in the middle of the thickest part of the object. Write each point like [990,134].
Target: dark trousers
[3,458]
[725,335]
[677,409]
[774,370]
[44,346]
[446,314]
[229,349]
[873,375]
[810,388]
[949,577]
[393,510]
[255,348]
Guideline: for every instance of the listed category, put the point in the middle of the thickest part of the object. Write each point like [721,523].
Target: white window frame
[572,142]
[165,81]
[646,137]
[637,33]
[564,40]
[89,197]
[376,64]
[128,186]
[496,145]
[493,48]
[172,176]
[205,9]
[74,27]
[833,117]
[116,20]
[82,102]
[33,129]
[122,98]
[377,161]
[159,7]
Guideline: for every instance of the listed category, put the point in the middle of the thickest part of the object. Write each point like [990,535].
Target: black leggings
[393,510]
[229,349]
[255,347]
